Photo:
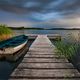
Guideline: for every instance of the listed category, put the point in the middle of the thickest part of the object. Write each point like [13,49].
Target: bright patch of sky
[46,16]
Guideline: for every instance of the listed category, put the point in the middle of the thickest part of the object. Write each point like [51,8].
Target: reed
[68,47]
[5,32]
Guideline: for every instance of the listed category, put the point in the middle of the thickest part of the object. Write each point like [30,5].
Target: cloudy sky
[40,13]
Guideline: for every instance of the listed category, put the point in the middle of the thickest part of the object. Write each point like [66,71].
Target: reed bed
[67,48]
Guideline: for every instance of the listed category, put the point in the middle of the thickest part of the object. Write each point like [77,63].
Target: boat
[11,46]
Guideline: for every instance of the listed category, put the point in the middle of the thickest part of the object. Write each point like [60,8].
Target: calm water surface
[63,33]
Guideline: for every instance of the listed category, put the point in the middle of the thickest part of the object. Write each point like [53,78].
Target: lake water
[63,33]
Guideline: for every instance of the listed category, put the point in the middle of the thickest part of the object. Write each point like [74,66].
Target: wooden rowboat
[12,45]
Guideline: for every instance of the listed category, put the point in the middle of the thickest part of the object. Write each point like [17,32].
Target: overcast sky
[40,13]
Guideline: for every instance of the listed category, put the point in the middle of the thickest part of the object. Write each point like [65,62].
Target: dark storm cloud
[67,5]
[47,11]
[26,6]
[41,6]
[34,5]
[13,5]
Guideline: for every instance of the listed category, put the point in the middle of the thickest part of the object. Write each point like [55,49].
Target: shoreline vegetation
[70,49]
[5,32]
[29,28]
[68,46]
[36,28]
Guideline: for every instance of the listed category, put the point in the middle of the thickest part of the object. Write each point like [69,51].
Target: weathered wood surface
[51,36]
[42,63]
[44,60]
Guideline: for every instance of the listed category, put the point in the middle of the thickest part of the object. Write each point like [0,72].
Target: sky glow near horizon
[40,13]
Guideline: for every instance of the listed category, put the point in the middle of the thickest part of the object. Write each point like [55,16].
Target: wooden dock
[41,63]
[50,36]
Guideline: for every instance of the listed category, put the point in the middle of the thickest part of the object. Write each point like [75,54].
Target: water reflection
[6,68]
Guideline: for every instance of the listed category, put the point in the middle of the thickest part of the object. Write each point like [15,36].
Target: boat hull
[13,52]
[14,57]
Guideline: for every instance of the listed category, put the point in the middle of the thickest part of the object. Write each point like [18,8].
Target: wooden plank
[33,55]
[29,53]
[46,65]
[49,47]
[45,55]
[61,73]
[48,60]
[37,52]
[42,50]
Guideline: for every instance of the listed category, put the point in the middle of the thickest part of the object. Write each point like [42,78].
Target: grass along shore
[67,50]
[5,32]
[70,49]
[68,46]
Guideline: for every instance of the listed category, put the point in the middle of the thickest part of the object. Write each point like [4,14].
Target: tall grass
[5,32]
[67,48]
